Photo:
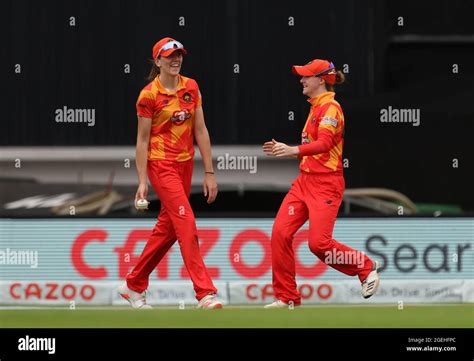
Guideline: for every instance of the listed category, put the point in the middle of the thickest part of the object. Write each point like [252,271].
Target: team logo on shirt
[304,138]
[187,97]
[179,116]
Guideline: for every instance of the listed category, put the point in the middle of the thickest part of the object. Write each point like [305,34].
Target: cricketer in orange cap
[317,67]
[170,119]
[167,46]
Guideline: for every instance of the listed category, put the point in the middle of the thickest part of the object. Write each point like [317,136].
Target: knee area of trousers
[280,232]
[319,246]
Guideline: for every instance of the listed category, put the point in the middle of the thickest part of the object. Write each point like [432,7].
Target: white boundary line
[190,307]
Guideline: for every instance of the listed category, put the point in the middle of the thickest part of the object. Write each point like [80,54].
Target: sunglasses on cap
[330,71]
[170,45]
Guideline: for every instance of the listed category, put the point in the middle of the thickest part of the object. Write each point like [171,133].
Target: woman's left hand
[283,150]
[210,188]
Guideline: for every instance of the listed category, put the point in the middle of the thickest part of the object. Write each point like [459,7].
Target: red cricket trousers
[171,181]
[317,197]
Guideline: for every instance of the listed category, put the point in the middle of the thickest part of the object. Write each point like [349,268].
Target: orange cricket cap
[167,46]
[321,68]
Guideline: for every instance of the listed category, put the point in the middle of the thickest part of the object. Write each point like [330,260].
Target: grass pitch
[432,316]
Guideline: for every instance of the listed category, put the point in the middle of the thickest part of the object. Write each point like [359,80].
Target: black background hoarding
[408,66]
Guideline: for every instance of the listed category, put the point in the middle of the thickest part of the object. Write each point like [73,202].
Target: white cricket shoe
[371,283]
[209,302]
[277,304]
[136,300]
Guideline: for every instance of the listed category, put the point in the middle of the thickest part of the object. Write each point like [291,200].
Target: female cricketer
[170,115]
[317,192]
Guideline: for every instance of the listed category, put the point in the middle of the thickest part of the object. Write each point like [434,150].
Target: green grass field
[442,316]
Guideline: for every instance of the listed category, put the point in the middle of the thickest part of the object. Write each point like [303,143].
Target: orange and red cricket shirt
[322,134]
[172,114]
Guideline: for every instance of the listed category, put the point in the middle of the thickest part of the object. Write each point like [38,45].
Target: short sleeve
[145,104]
[198,99]
[198,95]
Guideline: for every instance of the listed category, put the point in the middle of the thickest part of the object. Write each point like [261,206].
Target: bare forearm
[204,143]
[141,161]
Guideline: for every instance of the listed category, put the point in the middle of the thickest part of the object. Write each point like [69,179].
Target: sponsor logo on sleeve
[329,121]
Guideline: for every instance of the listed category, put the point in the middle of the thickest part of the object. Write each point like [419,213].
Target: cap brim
[168,52]
[301,70]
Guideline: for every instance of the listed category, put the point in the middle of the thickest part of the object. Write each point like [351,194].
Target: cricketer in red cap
[317,193]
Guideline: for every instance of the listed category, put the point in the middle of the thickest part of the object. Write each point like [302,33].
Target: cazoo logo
[180,116]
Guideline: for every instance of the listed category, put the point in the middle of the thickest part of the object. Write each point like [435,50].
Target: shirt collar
[163,90]
[321,98]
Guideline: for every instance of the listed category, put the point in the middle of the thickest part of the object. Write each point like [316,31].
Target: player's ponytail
[154,71]
[340,78]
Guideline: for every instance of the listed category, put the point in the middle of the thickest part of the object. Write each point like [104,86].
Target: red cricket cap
[321,68]
[167,46]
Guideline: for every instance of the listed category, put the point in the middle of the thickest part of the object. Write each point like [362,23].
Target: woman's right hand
[142,192]
[268,147]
